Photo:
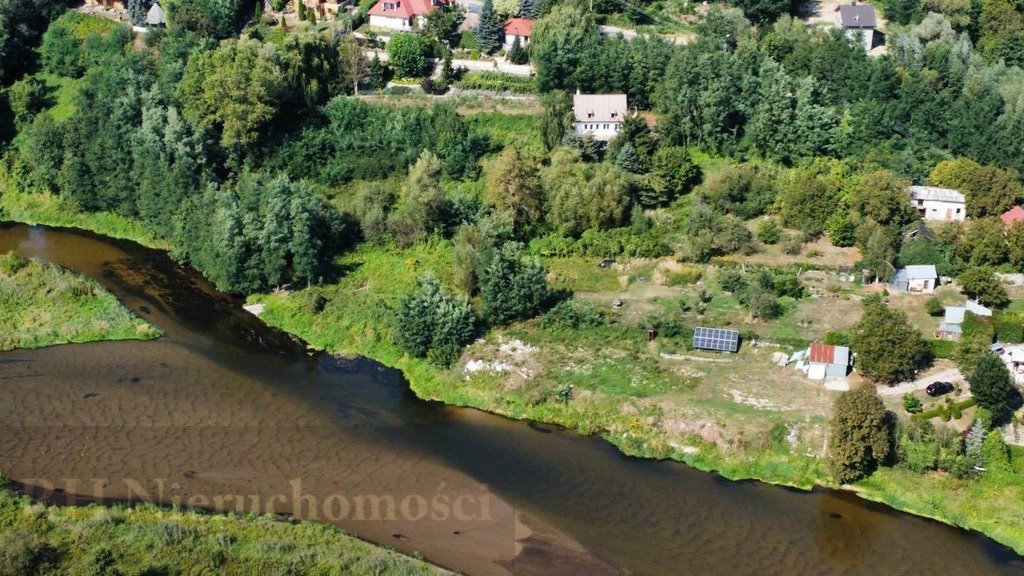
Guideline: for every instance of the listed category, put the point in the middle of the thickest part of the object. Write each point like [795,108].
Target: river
[226,413]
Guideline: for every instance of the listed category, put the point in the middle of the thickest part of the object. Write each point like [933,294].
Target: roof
[921,230]
[1015,214]
[950,328]
[402,8]
[519,27]
[155,16]
[935,194]
[856,16]
[829,354]
[921,272]
[955,314]
[599,107]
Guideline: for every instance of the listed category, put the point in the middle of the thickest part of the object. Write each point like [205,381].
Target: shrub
[407,55]
[769,231]
[836,338]
[497,82]
[512,288]
[912,404]
[934,307]
[24,553]
[566,315]
[11,263]
[792,247]
[688,275]
[731,280]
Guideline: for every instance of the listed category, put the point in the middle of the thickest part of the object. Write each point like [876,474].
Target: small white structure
[599,115]
[402,15]
[950,327]
[520,28]
[857,20]
[155,18]
[919,278]
[938,203]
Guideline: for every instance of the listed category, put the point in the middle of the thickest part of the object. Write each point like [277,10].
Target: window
[920,202]
[605,126]
[957,210]
[590,114]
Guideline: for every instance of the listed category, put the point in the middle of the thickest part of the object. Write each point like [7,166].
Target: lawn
[42,304]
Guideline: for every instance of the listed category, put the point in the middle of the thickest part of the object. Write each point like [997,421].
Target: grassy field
[145,539]
[50,210]
[42,304]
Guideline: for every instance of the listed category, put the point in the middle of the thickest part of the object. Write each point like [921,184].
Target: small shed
[155,18]
[827,361]
[919,278]
[950,327]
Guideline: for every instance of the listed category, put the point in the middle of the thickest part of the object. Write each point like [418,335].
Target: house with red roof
[520,28]
[1012,216]
[827,361]
[402,15]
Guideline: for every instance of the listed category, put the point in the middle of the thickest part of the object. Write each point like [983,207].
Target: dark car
[939,388]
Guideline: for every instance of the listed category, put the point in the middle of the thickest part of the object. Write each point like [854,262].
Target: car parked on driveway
[939,388]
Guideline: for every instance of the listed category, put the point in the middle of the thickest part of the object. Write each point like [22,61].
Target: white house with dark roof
[938,203]
[918,278]
[857,20]
[599,115]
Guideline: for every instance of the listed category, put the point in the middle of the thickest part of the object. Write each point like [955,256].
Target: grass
[50,210]
[146,539]
[62,91]
[42,304]
[519,131]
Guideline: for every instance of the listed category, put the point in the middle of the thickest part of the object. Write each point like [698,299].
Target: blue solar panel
[719,339]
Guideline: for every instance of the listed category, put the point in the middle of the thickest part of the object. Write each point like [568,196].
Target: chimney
[577,91]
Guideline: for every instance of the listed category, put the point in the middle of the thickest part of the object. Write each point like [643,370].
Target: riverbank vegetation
[42,304]
[146,539]
[464,248]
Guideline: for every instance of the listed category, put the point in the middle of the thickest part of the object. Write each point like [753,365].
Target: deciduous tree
[889,349]
[861,435]
[990,383]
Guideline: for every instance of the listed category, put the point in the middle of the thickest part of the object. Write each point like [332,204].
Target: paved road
[947,375]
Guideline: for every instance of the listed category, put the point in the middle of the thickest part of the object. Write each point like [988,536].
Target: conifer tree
[489,34]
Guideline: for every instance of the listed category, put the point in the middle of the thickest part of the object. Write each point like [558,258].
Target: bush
[497,82]
[769,231]
[512,288]
[568,316]
[25,553]
[732,280]
[407,55]
[792,247]
[688,275]
[836,338]
[912,404]
[934,307]
[1009,328]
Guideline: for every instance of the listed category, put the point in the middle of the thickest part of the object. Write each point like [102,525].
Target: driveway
[944,375]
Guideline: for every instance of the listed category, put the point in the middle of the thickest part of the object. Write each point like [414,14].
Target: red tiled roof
[823,353]
[519,27]
[1015,214]
[402,8]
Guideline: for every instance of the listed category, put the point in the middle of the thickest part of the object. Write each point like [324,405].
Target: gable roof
[921,230]
[936,194]
[829,354]
[950,328]
[921,272]
[955,314]
[402,8]
[856,16]
[519,27]
[1015,214]
[155,16]
[599,107]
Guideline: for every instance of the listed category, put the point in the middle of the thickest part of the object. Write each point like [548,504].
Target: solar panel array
[719,339]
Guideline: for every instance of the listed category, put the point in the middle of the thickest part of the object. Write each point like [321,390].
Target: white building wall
[511,38]
[922,286]
[939,210]
[389,22]
[599,130]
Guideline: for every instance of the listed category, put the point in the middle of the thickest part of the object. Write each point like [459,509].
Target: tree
[512,288]
[903,11]
[564,46]
[137,10]
[507,8]
[769,231]
[990,383]
[513,187]
[517,54]
[806,201]
[355,69]
[234,89]
[312,64]
[878,254]
[556,119]
[675,175]
[22,23]
[861,435]
[989,190]
[764,11]
[407,54]
[443,24]
[529,9]
[431,322]
[578,201]
[980,283]
[842,229]
[490,33]
[889,349]
[421,204]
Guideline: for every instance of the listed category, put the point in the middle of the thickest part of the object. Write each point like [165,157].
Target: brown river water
[228,414]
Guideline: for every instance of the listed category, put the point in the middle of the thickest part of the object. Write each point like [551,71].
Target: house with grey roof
[950,328]
[917,278]
[938,203]
[858,21]
[599,115]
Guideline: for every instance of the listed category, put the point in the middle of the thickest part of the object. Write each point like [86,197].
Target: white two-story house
[599,115]
[938,203]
